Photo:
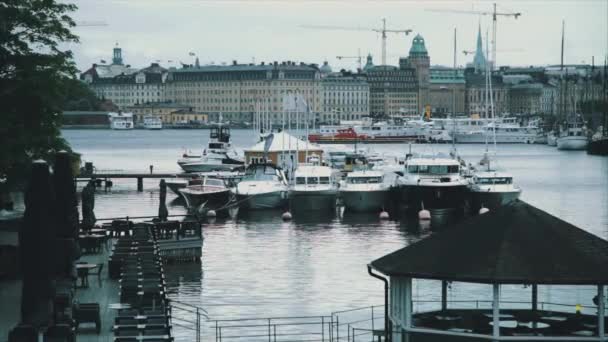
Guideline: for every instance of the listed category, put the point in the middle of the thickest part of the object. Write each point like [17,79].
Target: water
[259,265]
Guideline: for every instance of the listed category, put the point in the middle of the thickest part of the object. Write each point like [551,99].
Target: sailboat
[489,187]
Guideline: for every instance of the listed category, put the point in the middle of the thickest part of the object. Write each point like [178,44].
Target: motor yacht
[209,194]
[432,182]
[492,189]
[574,136]
[315,188]
[120,120]
[365,191]
[218,156]
[263,186]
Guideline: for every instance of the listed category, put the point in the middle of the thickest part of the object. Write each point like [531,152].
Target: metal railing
[187,317]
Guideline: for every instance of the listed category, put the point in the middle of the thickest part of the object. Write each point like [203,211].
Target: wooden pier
[105,178]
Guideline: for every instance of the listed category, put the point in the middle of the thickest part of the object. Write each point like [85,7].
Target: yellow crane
[494,15]
[383,30]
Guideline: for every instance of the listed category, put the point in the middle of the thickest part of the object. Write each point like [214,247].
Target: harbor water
[259,266]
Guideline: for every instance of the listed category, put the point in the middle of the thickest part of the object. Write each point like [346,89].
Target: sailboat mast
[454,100]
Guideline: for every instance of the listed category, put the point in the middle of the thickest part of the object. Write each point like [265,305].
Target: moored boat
[365,191]
[218,156]
[573,137]
[315,189]
[263,186]
[492,189]
[210,194]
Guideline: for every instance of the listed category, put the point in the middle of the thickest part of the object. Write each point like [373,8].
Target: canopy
[515,244]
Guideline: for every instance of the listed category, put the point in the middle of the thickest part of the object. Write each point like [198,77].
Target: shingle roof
[283,141]
[515,244]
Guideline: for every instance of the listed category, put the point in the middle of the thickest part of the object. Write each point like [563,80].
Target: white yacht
[506,133]
[315,188]
[120,120]
[152,122]
[218,156]
[365,191]
[574,136]
[432,182]
[492,189]
[263,186]
[208,194]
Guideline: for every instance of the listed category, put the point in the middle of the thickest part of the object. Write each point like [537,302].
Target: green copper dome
[418,47]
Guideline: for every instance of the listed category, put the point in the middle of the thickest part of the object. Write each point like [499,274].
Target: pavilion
[515,244]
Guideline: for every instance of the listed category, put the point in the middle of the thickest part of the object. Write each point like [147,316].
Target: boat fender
[384,215]
[211,213]
[286,216]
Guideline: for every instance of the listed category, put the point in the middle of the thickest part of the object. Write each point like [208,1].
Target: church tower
[479,61]
[117,55]
[419,59]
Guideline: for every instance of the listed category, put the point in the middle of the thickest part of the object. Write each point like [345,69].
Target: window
[324,180]
[300,180]
[313,180]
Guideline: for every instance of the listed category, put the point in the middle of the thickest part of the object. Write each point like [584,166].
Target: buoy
[483,210]
[211,213]
[384,215]
[424,215]
[286,216]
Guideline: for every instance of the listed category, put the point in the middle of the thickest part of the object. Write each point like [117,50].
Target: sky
[255,31]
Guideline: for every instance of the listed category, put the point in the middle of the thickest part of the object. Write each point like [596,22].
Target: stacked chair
[135,261]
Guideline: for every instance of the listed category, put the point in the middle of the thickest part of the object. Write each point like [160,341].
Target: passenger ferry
[120,120]
[368,132]
[152,122]
[506,133]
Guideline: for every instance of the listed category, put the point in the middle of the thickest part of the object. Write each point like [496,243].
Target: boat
[432,182]
[505,133]
[598,144]
[315,189]
[176,184]
[209,194]
[393,131]
[263,186]
[218,156]
[551,139]
[120,120]
[365,191]
[573,137]
[152,122]
[339,136]
[492,189]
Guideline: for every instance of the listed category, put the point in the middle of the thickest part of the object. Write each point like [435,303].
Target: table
[500,316]
[83,272]
[583,333]
[447,318]
[119,306]
[534,325]
[554,318]
[506,324]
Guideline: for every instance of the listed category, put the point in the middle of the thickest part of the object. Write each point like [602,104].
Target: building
[126,86]
[345,97]
[475,92]
[161,109]
[525,98]
[420,60]
[447,91]
[187,116]
[282,150]
[479,59]
[392,90]
[237,91]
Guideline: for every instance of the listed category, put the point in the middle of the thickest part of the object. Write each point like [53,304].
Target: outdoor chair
[23,333]
[126,331]
[125,321]
[156,331]
[98,274]
[126,339]
[59,333]
[156,320]
[527,316]
[83,274]
[87,313]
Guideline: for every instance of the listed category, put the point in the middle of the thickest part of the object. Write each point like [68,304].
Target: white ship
[120,120]
[506,133]
[574,136]
[152,122]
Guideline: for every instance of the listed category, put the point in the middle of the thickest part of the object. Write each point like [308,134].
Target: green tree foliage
[34,71]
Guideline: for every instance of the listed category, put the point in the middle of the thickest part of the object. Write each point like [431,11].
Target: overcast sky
[222,31]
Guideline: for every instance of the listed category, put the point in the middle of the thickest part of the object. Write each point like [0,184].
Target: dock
[106,178]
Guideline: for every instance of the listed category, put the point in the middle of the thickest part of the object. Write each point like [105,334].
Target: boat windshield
[300,180]
[262,174]
[214,182]
[433,169]
[494,180]
[324,180]
[364,180]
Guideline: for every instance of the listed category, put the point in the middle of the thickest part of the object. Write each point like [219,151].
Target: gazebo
[515,244]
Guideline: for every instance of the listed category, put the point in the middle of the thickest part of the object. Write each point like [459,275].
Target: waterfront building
[284,150]
[419,59]
[345,97]
[392,90]
[447,87]
[238,91]
[475,94]
[517,244]
[187,116]
[126,86]
[161,109]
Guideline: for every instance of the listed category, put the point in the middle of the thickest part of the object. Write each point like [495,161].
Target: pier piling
[140,184]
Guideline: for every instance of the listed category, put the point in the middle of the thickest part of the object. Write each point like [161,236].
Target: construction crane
[472,52]
[494,15]
[358,58]
[383,30]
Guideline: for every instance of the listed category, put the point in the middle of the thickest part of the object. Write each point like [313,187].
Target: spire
[197,63]
[479,61]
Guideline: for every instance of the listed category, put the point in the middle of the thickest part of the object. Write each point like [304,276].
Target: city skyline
[273,30]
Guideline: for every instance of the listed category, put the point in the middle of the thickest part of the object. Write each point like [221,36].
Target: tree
[33,72]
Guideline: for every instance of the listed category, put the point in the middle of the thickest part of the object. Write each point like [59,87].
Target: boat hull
[572,143]
[218,200]
[480,138]
[201,167]
[365,201]
[551,140]
[322,200]
[433,197]
[492,200]
[269,200]
[598,147]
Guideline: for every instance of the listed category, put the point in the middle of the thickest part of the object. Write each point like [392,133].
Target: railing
[274,329]
[187,317]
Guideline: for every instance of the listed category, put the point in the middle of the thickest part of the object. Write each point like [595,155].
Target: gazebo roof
[515,244]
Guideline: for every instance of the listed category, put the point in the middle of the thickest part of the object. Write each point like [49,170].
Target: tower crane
[357,57]
[494,15]
[472,52]
[383,30]
[91,23]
